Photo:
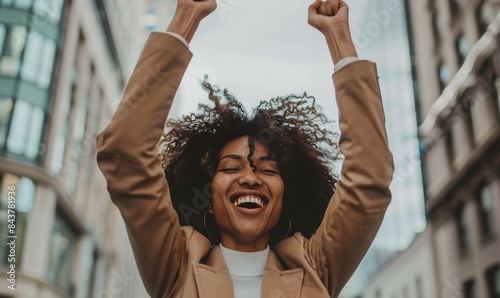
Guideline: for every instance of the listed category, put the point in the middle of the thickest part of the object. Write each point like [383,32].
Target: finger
[323,9]
[343,4]
[336,6]
[313,8]
[332,7]
[343,8]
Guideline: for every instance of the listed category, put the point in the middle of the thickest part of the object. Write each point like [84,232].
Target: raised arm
[128,157]
[331,18]
[355,212]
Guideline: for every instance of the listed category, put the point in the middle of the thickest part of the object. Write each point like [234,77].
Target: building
[456,65]
[125,29]
[409,273]
[62,70]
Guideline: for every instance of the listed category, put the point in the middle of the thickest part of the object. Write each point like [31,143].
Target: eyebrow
[239,157]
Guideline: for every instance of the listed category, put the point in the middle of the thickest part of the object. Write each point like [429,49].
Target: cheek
[279,188]
[220,185]
[278,191]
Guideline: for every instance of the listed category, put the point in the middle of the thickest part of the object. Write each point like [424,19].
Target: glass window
[450,149]
[62,134]
[435,24]
[35,133]
[14,46]
[32,56]
[454,6]
[76,150]
[495,82]
[493,279]
[24,194]
[6,104]
[462,48]
[470,128]
[485,15]
[24,4]
[470,289]
[444,75]
[485,209]
[463,229]
[62,253]
[19,127]
[38,61]
[6,2]
[26,129]
[419,288]
[2,37]
[47,63]
[93,275]
[60,144]
[49,10]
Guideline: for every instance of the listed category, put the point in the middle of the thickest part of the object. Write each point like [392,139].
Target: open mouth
[249,202]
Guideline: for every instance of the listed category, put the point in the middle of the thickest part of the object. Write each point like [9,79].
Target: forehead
[239,146]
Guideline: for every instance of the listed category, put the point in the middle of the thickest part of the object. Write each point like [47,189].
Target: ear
[209,209]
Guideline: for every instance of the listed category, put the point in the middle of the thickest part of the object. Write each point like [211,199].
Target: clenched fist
[324,15]
[331,17]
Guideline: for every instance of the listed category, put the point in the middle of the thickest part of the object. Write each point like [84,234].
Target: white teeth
[248,199]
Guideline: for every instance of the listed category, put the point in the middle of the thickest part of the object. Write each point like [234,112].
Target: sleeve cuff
[178,37]
[343,62]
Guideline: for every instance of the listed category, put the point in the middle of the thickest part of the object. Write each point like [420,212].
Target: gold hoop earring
[289,228]
[206,228]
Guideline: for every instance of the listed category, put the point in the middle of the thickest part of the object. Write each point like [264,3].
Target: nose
[249,178]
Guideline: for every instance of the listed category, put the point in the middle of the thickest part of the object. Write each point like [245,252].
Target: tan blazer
[169,257]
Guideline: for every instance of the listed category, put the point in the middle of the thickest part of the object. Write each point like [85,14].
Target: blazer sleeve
[357,208]
[128,158]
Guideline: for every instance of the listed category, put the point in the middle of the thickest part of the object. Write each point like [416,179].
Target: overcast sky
[260,49]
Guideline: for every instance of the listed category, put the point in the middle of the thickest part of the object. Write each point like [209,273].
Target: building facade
[62,71]
[456,59]
[409,274]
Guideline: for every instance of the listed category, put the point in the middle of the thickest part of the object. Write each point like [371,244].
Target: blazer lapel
[212,279]
[280,283]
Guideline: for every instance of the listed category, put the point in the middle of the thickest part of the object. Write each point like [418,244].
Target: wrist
[340,43]
[185,22]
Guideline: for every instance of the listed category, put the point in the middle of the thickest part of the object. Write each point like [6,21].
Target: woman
[242,174]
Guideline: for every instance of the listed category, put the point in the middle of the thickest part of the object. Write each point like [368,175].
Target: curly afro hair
[293,128]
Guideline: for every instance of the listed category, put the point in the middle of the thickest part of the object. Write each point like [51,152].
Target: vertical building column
[495,196]
[83,267]
[38,231]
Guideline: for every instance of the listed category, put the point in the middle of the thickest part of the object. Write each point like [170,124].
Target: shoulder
[292,249]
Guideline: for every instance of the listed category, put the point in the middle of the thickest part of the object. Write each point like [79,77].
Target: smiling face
[246,202]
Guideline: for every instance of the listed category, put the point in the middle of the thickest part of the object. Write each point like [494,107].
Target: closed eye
[229,170]
[269,171]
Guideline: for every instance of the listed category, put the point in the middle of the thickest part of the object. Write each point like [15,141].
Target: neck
[245,245]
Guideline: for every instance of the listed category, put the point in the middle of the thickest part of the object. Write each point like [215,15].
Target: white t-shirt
[245,269]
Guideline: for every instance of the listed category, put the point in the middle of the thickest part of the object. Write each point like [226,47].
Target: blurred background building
[63,65]
[408,274]
[456,62]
